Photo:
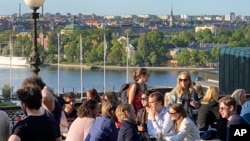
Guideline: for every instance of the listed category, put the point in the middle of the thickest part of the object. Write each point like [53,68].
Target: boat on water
[13,61]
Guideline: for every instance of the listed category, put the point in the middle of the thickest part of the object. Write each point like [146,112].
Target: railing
[15,113]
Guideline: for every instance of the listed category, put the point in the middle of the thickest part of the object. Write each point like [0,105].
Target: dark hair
[137,74]
[34,80]
[31,96]
[158,96]
[111,96]
[87,108]
[94,94]
[70,95]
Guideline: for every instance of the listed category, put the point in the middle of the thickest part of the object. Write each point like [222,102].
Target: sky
[127,7]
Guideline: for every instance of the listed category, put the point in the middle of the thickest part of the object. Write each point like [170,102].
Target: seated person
[184,127]
[69,109]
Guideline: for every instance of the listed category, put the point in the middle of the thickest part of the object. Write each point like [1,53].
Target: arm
[151,130]
[48,99]
[131,94]
[171,98]
[14,138]
[167,124]
[63,121]
[184,130]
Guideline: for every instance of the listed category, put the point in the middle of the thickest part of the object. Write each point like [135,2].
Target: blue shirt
[103,129]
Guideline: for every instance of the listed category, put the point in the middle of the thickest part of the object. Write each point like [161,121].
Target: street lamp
[34,56]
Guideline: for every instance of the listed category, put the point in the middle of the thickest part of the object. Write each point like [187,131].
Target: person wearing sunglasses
[69,109]
[184,127]
[227,109]
[183,93]
[142,117]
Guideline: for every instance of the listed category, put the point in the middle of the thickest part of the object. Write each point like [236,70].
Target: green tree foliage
[7,90]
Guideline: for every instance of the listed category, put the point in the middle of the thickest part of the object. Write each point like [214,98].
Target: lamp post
[34,56]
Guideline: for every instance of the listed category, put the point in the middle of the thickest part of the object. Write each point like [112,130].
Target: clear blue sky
[123,7]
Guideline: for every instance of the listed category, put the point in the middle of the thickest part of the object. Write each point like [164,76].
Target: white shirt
[162,123]
[188,132]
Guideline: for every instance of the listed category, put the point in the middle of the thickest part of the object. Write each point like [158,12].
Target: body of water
[70,78]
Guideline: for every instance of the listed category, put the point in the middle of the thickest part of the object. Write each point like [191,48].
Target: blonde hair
[212,94]
[237,94]
[120,111]
[107,108]
[178,109]
[178,87]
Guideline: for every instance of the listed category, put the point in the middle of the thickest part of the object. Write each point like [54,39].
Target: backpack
[124,93]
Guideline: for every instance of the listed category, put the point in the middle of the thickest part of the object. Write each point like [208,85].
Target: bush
[7,90]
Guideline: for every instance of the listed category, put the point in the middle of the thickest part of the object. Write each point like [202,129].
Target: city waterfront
[70,78]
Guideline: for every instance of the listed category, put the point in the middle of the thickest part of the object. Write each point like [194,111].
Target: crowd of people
[186,113]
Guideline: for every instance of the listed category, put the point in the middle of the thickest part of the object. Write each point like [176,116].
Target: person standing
[141,76]
[4,126]
[37,126]
[227,109]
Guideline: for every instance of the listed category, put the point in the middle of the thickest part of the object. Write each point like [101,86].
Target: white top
[162,123]
[188,132]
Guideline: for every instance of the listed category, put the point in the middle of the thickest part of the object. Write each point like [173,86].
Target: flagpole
[11,52]
[104,67]
[127,49]
[81,58]
[58,64]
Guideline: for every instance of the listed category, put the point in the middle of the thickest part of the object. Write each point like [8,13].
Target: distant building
[212,28]
[171,18]
[230,17]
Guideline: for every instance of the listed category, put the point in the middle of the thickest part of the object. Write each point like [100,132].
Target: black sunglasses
[184,80]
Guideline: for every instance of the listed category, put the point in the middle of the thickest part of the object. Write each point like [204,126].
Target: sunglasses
[183,80]
[172,113]
[144,99]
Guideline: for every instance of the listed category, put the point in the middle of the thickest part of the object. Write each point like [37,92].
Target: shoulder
[236,119]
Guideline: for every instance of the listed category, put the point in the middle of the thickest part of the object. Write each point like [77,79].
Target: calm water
[70,78]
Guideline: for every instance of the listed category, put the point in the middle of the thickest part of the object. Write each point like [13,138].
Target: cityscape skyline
[128,7]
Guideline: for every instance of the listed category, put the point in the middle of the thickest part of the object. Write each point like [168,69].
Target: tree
[7,91]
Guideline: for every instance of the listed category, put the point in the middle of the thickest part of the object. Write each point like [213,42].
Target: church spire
[171,18]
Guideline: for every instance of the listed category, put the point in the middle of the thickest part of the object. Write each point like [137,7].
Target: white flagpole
[81,58]
[104,67]
[127,49]
[58,64]
[11,52]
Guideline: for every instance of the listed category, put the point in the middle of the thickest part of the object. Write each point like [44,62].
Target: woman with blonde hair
[208,113]
[183,93]
[104,127]
[240,96]
[184,127]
